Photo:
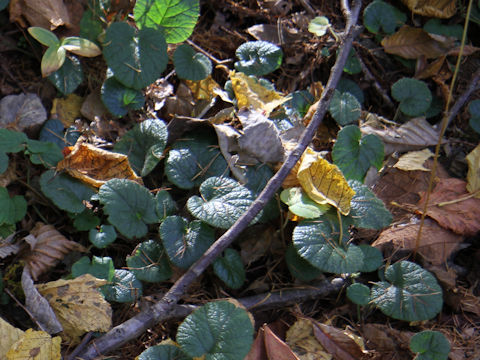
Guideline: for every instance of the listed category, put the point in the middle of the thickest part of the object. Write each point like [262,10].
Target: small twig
[473,85]
[137,325]
[206,53]
[24,309]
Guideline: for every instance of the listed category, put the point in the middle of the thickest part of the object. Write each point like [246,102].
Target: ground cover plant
[247,179]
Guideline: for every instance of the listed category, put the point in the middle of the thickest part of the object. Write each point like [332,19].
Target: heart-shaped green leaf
[149,262]
[359,294]
[345,108]
[229,268]
[68,77]
[144,145]
[185,242]
[12,141]
[85,221]
[191,65]
[381,15]
[13,208]
[165,204]
[414,96]
[430,345]
[355,154]
[410,293]
[125,287]
[103,237]
[258,58]
[120,99]
[100,267]
[372,258]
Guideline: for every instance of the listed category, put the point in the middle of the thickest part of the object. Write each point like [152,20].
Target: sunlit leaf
[43,36]
[149,262]
[432,8]
[319,25]
[82,47]
[258,58]
[191,65]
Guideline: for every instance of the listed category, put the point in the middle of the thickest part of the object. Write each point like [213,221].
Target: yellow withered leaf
[37,345]
[473,175]
[324,182]
[67,109]
[250,93]
[96,166]
[10,335]
[78,304]
[432,8]
[203,89]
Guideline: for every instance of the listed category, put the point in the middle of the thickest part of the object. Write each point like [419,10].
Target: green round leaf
[372,258]
[130,206]
[414,96]
[301,205]
[119,99]
[299,267]
[163,352]
[103,237]
[12,141]
[100,267]
[125,287]
[317,242]
[43,36]
[359,294]
[352,66]
[175,19]
[345,108]
[185,242]
[136,60]
[86,220]
[229,268]
[191,65]
[379,14]
[474,110]
[65,192]
[349,86]
[430,345]
[144,145]
[222,202]
[410,293]
[68,77]
[368,211]
[13,208]
[193,160]
[219,330]
[149,262]
[355,154]
[165,204]
[43,153]
[258,58]
[319,25]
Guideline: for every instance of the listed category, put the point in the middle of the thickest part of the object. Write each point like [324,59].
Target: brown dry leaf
[36,345]
[413,43]
[432,8]
[79,305]
[436,244]
[342,344]
[48,248]
[48,14]
[391,343]
[462,299]
[432,69]
[257,351]
[276,348]
[67,109]
[414,160]
[473,175]
[453,207]
[250,93]
[96,166]
[324,182]
[93,107]
[302,341]
[203,89]
[10,336]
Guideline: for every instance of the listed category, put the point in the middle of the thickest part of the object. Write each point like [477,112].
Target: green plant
[430,345]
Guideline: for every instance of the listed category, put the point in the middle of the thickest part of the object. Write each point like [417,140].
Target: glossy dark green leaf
[13,208]
[414,96]
[229,268]
[163,352]
[125,287]
[345,108]
[258,58]
[100,267]
[410,293]
[165,204]
[102,237]
[219,330]
[120,99]
[300,268]
[430,345]
[149,262]
[68,77]
[372,258]
[191,65]
[144,145]
[185,242]
[359,294]
[129,206]
[381,15]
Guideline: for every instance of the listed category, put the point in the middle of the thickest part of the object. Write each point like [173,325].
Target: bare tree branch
[135,326]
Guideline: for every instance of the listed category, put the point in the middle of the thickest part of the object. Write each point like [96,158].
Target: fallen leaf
[302,341]
[48,248]
[203,89]
[414,160]
[276,34]
[67,109]
[390,342]
[432,8]
[10,335]
[96,166]
[36,345]
[436,244]
[430,69]
[414,43]
[257,351]
[473,175]
[463,300]
[79,305]
[48,14]
[324,182]
[250,93]
[276,348]
[22,111]
[453,207]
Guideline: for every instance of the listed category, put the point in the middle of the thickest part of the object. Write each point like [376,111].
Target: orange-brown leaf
[337,342]
[432,8]
[276,348]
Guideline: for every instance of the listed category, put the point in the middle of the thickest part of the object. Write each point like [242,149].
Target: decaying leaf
[432,8]
[390,342]
[473,175]
[48,248]
[67,109]
[22,111]
[302,341]
[436,244]
[342,344]
[250,93]
[413,43]
[48,14]
[96,166]
[10,335]
[324,182]
[78,304]
[414,160]
[453,207]
[36,345]
[203,89]
[276,348]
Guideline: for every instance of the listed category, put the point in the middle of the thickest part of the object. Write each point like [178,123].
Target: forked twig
[137,325]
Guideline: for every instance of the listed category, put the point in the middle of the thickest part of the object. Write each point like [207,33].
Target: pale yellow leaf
[323,182]
[432,8]
[302,341]
[67,109]
[78,304]
[203,89]
[473,175]
[36,345]
[10,336]
[414,160]
[250,93]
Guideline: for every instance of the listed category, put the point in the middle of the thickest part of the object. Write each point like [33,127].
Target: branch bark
[137,325]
